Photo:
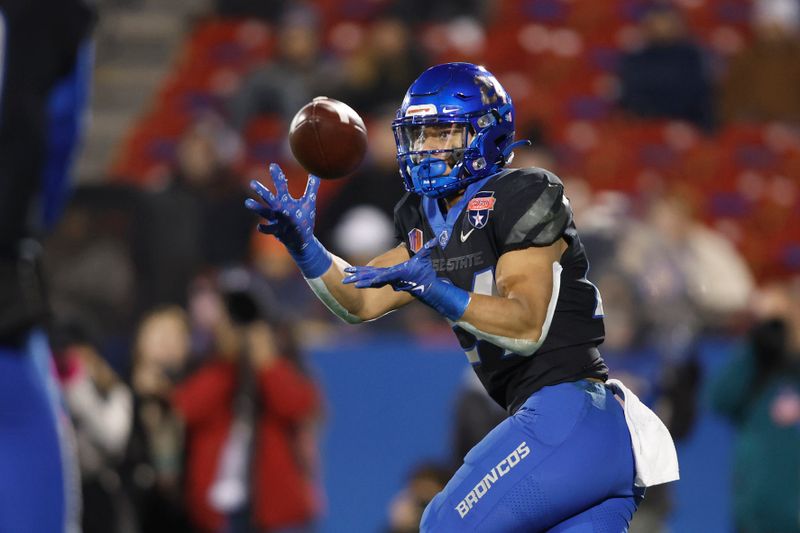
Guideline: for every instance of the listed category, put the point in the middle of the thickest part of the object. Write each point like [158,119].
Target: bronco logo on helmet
[488,92]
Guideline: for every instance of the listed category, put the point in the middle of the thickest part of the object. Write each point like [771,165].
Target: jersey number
[482,283]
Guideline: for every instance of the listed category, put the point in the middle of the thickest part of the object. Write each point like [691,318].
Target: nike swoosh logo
[465,236]
[420,288]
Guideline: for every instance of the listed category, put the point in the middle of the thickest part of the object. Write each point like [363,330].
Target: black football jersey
[512,210]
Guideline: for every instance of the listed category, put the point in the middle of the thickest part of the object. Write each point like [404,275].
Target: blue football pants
[32,495]
[561,464]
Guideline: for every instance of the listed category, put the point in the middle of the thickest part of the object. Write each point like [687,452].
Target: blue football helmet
[454,115]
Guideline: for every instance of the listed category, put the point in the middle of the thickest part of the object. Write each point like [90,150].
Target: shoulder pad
[536,212]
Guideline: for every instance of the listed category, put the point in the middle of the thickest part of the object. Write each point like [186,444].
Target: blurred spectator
[270,11]
[762,80]
[718,280]
[153,460]
[687,274]
[89,260]
[298,72]
[384,66]
[539,154]
[760,393]
[248,413]
[635,272]
[666,77]
[274,263]
[605,218]
[411,11]
[100,406]
[195,221]
[309,316]
[406,508]
[625,335]
[476,414]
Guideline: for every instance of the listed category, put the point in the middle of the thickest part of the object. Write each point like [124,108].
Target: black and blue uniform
[563,459]
[512,210]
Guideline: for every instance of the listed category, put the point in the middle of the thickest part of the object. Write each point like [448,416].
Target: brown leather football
[328,138]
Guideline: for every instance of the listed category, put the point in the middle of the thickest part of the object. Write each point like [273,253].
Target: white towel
[653,449]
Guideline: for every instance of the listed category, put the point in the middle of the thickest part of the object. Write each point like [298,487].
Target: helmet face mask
[446,141]
[455,127]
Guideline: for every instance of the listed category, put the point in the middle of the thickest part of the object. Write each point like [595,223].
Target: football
[328,138]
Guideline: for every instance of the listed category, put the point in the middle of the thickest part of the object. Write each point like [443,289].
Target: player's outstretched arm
[291,221]
[361,304]
[517,319]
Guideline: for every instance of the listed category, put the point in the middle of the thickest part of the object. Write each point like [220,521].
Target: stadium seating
[557,59]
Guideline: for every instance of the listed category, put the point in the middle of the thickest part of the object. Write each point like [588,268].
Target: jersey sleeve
[533,210]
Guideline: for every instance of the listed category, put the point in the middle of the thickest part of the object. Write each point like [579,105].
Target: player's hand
[413,276]
[290,220]
[417,277]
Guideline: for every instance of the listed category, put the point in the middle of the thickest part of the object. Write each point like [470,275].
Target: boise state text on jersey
[511,210]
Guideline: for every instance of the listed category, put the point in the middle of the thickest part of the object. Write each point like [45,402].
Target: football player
[45,61]
[495,251]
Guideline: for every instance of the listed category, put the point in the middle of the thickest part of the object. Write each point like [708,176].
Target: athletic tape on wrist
[312,258]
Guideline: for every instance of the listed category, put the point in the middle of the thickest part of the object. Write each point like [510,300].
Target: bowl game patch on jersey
[479,208]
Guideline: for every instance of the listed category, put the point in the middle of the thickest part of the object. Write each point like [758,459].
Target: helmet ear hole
[487,120]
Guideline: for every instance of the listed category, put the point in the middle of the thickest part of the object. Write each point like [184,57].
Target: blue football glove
[291,221]
[417,277]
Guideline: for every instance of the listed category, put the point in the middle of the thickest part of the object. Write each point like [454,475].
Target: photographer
[760,393]
[152,470]
[246,412]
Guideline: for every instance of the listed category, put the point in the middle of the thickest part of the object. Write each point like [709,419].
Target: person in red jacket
[249,413]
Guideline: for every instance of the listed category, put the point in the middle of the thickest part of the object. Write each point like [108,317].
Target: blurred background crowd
[200,371]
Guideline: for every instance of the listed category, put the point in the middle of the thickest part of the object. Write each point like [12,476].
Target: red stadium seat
[558,59]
